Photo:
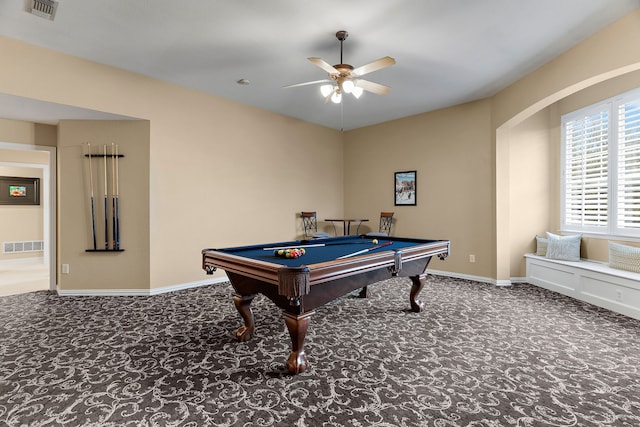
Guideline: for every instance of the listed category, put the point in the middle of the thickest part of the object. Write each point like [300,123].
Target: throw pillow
[624,257]
[565,248]
[541,246]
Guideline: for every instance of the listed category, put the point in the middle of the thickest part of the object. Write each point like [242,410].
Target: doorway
[28,274]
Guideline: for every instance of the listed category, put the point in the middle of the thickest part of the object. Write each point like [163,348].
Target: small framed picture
[405,188]
[19,191]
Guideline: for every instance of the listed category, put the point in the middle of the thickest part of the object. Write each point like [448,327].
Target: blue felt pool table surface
[332,249]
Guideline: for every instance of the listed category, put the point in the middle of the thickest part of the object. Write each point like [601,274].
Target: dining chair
[310,224]
[386,218]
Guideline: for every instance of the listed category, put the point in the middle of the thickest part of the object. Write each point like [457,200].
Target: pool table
[329,269]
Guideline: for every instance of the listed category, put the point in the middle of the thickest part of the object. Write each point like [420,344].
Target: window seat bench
[590,281]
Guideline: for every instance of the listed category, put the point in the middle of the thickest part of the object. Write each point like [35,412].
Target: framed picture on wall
[405,188]
[19,191]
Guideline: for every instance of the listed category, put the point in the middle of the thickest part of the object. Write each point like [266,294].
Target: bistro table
[346,224]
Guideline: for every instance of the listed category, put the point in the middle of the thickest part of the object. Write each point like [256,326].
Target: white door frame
[48,204]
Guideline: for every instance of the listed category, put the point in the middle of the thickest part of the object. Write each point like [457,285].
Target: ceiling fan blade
[308,83]
[324,65]
[373,66]
[372,87]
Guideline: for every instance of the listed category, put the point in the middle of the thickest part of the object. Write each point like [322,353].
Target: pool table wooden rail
[398,263]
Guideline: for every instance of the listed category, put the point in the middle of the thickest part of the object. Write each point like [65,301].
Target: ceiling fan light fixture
[345,78]
[326,90]
[348,86]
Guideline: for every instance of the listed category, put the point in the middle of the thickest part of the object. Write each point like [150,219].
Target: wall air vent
[44,8]
[18,247]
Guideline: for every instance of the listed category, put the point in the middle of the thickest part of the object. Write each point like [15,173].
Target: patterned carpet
[480,356]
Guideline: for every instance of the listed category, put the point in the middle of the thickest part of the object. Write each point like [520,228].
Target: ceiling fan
[344,78]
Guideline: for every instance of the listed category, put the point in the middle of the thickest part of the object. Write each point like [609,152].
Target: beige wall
[533,187]
[16,131]
[451,151]
[220,173]
[20,156]
[19,223]
[231,175]
[103,270]
[21,132]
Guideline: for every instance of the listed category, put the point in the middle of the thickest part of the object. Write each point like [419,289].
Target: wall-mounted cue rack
[106,238]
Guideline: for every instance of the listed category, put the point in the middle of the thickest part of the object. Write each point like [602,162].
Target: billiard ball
[289,252]
[374,241]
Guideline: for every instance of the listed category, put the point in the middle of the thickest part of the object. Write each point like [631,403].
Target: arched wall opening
[513,232]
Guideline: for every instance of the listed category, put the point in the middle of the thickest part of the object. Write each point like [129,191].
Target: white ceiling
[447,51]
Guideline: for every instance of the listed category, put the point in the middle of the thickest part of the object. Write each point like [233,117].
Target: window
[601,168]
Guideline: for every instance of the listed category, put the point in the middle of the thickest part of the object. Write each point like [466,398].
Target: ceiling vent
[44,8]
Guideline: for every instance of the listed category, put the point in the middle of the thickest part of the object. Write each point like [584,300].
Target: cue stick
[117,199]
[113,193]
[106,209]
[315,245]
[292,247]
[93,216]
[364,250]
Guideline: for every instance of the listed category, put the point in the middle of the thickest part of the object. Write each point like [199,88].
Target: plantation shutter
[628,189]
[585,193]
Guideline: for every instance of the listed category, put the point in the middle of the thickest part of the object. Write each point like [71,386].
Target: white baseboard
[139,292]
[473,278]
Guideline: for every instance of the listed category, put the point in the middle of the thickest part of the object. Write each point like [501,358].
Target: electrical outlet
[65,268]
[472,258]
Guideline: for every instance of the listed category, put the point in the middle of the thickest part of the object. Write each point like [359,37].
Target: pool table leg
[243,305]
[418,284]
[297,326]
